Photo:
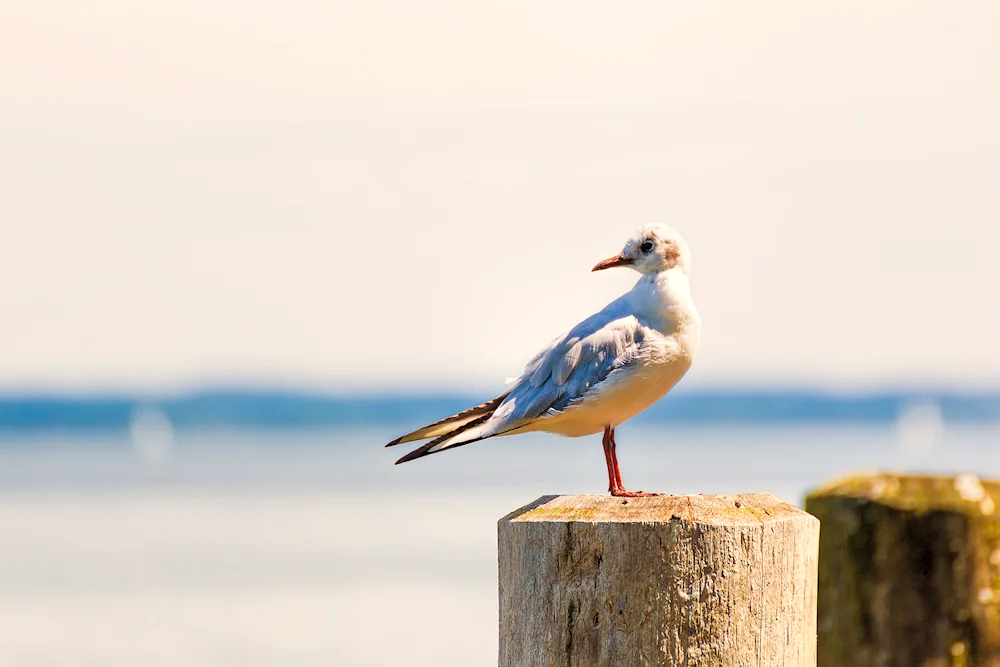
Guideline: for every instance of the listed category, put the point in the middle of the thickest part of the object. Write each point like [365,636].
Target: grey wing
[569,367]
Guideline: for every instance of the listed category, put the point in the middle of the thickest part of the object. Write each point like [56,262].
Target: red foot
[622,493]
[614,474]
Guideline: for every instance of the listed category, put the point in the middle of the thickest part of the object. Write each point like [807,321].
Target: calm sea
[311,548]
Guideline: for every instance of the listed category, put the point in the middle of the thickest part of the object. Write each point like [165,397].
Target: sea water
[307,548]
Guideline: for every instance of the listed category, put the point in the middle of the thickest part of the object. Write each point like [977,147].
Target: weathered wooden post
[700,581]
[909,572]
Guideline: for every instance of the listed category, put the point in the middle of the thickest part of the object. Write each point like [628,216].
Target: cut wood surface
[667,580]
[909,571]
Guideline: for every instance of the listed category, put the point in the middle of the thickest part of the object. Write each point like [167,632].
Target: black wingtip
[482,408]
[415,454]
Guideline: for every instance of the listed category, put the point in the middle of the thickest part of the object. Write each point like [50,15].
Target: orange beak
[612,261]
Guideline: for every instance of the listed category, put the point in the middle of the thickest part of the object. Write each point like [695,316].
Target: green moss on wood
[919,493]
[914,546]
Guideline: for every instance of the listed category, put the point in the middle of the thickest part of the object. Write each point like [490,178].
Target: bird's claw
[622,493]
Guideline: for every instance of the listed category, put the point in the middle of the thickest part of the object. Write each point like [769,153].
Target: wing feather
[450,424]
[558,377]
[569,368]
[563,367]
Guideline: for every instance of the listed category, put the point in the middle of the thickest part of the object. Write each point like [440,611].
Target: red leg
[614,460]
[614,473]
[613,482]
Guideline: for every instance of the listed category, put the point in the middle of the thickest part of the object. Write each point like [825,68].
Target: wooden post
[909,571]
[668,580]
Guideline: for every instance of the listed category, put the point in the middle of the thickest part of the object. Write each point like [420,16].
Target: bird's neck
[664,298]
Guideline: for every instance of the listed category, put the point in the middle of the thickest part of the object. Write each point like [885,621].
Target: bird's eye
[646,246]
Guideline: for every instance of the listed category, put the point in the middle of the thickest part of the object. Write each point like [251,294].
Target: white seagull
[607,369]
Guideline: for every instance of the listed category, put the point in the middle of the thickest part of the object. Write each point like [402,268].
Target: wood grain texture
[909,571]
[669,580]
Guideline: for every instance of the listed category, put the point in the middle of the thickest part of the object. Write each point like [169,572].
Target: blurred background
[243,245]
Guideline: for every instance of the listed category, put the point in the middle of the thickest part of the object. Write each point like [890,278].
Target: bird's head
[652,249]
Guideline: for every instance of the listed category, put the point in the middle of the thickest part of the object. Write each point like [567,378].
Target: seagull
[605,370]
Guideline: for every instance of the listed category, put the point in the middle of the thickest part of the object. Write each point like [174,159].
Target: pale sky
[383,194]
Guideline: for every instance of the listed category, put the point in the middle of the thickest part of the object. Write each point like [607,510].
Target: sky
[397,195]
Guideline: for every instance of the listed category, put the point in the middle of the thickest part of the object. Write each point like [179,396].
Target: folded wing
[560,376]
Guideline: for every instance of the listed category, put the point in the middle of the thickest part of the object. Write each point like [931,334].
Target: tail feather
[467,432]
[448,425]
